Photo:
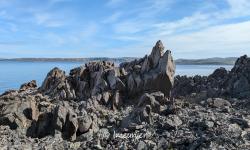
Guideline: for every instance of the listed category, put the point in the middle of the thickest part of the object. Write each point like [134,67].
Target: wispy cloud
[194,22]
[239,7]
[213,41]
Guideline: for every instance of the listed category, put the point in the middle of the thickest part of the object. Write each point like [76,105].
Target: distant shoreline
[206,61]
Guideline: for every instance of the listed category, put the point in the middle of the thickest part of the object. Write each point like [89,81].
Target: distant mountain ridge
[205,61]
[122,59]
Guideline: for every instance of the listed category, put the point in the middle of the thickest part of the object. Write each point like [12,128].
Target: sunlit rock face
[151,73]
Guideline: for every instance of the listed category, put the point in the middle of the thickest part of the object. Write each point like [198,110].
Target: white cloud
[222,40]
[237,9]
[217,41]
[240,7]
[196,21]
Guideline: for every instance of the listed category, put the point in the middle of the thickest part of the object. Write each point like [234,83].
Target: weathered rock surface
[30,85]
[152,73]
[221,83]
[101,106]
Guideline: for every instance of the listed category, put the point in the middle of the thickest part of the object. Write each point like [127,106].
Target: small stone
[235,130]
[84,123]
[141,146]
[221,103]
[173,121]
[105,97]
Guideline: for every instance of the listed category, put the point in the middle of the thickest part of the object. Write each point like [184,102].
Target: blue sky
[117,28]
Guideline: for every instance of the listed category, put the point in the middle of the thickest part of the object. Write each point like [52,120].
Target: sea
[15,73]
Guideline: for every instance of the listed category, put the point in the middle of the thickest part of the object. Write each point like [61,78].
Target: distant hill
[120,59]
[206,61]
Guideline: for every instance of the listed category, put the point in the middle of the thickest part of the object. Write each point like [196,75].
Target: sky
[124,28]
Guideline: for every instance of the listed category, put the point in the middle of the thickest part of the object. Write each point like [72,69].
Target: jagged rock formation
[239,79]
[151,73]
[109,83]
[101,106]
[234,83]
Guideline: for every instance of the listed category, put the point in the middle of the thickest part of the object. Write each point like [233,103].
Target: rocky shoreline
[138,105]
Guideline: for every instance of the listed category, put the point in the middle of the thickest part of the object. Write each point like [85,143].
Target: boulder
[137,117]
[53,79]
[235,130]
[84,122]
[71,126]
[141,146]
[147,99]
[60,114]
[219,74]
[221,103]
[106,97]
[160,97]
[172,122]
[65,121]
[19,114]
[57,86]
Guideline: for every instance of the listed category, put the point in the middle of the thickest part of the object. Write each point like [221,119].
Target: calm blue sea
[13,74]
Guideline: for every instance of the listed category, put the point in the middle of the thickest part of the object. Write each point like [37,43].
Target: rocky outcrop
[131,79]
[239,78]
[151,73]
[57,86]
[221,83]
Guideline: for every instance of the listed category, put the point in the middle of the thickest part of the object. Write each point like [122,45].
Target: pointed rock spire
[156,53]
